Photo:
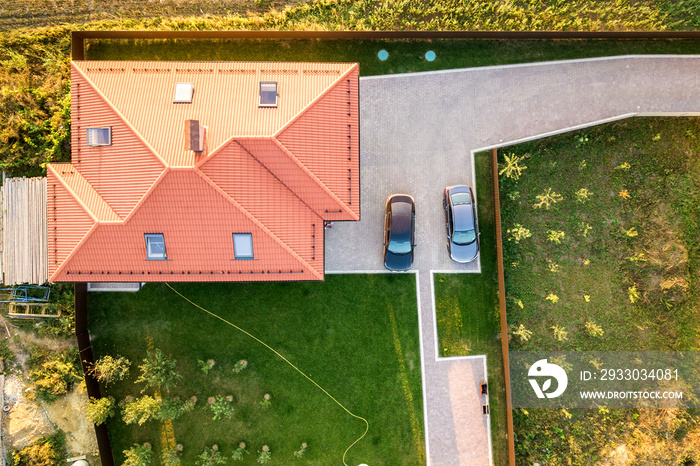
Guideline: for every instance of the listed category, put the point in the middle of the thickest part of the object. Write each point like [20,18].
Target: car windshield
[464,237]
[461,198]
[400,245]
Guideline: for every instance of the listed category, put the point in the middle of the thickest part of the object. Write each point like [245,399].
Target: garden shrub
[138,455]
[173,408]
[63,301]
[158,371]
[54,373]
[98,410]
[140,410]
[35,108]
[47,451]
[109,369]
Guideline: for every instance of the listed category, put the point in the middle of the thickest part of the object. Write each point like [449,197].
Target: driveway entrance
[418,133]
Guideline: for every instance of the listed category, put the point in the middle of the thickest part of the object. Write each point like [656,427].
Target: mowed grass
[468,318]
[404,55]
[338,332]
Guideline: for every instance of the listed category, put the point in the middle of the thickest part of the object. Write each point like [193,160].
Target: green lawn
[404,55]
[467,310]
[604,258]
[339,332]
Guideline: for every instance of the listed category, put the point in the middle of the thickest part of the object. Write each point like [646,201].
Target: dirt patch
[25,421]
[67,412]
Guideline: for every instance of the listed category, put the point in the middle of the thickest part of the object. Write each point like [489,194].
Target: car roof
[463,217]
[401,217]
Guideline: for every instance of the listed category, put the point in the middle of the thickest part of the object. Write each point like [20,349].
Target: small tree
[560,333]
[169,458]
[300,452]
[158,371]
[173,408]
[206,366]
[523,333]
[47,451]
[211,456]
[237,455]
[138,455]
[55,373]
[264,455]
[109,369]
[221,408]
[594,329]
[98,410]
[511,167]
[141,410]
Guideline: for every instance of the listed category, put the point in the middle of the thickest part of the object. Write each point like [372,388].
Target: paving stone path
[418,134]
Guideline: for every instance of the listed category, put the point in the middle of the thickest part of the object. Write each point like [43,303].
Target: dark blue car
[399,232]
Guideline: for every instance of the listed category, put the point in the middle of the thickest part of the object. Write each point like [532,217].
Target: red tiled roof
[276,173]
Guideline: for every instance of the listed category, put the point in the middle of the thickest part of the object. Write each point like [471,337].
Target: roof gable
[117,252]
[64,236]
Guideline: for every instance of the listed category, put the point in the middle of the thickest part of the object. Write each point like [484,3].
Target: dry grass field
[36,13]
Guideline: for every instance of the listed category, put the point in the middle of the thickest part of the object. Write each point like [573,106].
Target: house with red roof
[203,171]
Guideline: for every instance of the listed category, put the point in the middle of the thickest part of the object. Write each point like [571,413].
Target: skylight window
[243,246]
[155,247]
[268,94]
[99,136]
[183,93]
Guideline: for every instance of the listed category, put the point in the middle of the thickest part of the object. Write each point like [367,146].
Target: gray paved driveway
[418,132]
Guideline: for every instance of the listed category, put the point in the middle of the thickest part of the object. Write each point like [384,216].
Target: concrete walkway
[418,135]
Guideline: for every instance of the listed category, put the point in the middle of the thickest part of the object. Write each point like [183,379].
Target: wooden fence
[25,243]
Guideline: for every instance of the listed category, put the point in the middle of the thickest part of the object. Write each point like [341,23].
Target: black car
[462,224]
[399,232]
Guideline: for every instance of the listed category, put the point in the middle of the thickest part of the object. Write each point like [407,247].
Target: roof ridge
[258,223]
[147,194]
[313,177]
[214,153]
[119,114]
[74,194]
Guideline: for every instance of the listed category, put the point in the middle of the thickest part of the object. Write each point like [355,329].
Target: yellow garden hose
[285,360]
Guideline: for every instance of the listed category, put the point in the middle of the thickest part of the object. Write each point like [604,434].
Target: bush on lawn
[98,410]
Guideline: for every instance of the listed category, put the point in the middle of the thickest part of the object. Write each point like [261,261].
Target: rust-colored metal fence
[502,305]
[86,360]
